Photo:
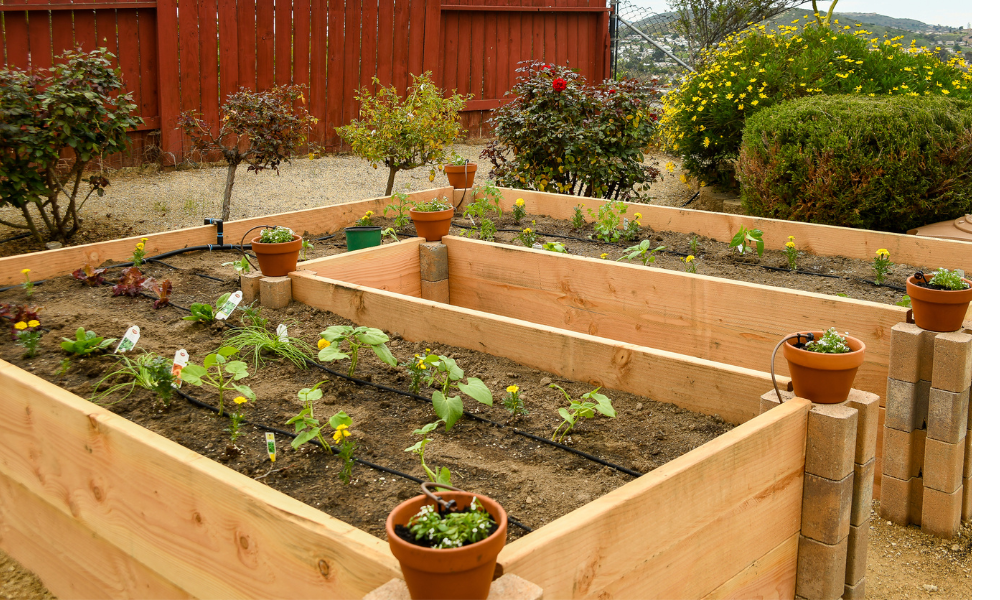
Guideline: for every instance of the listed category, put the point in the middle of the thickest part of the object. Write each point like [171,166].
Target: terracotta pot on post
[277,260]
[820,377]
[938,310]
[433,225]
[453,573]
[461,176]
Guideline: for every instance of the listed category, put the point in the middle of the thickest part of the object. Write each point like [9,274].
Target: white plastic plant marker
[128,340]
[231,303]
[180,361]
[282,333]
[271,451]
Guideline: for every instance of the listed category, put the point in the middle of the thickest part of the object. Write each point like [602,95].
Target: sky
[953,13]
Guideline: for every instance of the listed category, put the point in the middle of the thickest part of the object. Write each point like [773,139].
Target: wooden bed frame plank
[741,497]
[196,523]
[393,267]
[68,557]
[821,240]
[772,576]
[721,320]
[693,383]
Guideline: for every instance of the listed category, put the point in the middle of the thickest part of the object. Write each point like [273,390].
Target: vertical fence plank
[149,83]
[490,56]
[107,33]
[229,66]
[15,26]
[415,54]
[190,74]
[432,41]
[128,55]
[265,44]
[561,24]
[169,79]
[246,44]
[300,41]
[477,49]
[502,62]
[369,20]
[400,44]
[317,68]
[526,33]
[383,63]
[208,36]
[62,32]
[40,40]
[283,42]
[335,73]
[463,32]
[84,29]
[603,43]
[352,60]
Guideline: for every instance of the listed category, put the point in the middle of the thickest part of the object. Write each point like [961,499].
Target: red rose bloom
[558,84]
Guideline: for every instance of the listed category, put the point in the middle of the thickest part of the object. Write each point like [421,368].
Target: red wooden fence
[178,55]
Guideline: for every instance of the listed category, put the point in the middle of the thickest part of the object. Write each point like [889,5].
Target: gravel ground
[154,201]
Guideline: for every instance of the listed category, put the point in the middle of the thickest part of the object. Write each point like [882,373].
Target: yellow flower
[604,255]
[790,244]
[20,325]
[25,271]
[322,344]
[689,258]
[882,253]
[239,400]
[638,215]
[33,323]
[340,433]
[512,389]
[519,202]
[791,238]
[527,230]
[707,142]
[144,240]
[140,246]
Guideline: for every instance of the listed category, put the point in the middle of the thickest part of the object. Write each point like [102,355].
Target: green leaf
[222,300]
[477,390]
[247,392]
[227,351]
[444,476]
[382,351]
[339,419]
[304,437]
[449,409]
[371,336]
[416,447]
[236,367]
[335,333]
[190,374]
[211,360]
[565,414]
[331,353]
[426,428]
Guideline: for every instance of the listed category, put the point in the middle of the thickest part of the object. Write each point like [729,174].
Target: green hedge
[883,163]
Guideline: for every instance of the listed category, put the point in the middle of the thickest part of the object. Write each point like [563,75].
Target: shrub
[562,135]
[755,69]
[262,129]
[404,133]
[882,163]
[76,106]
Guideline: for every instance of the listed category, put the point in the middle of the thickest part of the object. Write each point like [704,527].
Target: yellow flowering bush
[757,68]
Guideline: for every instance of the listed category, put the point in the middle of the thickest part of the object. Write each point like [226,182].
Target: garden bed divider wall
[311,221]
[821,240]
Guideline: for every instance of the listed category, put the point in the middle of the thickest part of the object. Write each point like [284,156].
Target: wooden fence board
[300,43]
[190,74]
[40,38]
[771,576]
[283,42]
[265,44]
[148,94]
[415,52]
[369,39]
[210,530]
[317,69]
[229,61]
[384,33]
[683,529]
[335,72]
[169,79]
[246,29]
[352,62]
[693,383]
[208,34]
[721,320]
[393,267]
[15,26]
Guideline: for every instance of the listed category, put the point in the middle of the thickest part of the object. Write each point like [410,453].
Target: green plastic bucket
[362,237]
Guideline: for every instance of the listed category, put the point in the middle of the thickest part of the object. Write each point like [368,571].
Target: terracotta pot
[461,176]
[432,226]
[277,260]
[452,573]
[823,378]
[938,310]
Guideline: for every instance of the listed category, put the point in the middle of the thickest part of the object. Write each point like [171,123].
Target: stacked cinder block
[434,272]
[924,460]
[836,496]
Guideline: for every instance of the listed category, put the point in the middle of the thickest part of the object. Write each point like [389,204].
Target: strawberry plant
[89,275]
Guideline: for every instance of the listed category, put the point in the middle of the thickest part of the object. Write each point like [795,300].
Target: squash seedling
[220,373]
[743,240]
[642,252]
[439,474]
[356,338]
[445,371]
[581,408]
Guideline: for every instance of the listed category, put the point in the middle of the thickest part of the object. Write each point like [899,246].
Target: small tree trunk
[31,223]
[392,178]
[228,194]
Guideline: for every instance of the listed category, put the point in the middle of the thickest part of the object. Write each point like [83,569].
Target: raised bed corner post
[836,496]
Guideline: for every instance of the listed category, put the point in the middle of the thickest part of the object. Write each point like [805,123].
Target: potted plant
[432,218]
[447,544]
[364,234]
[823,364]
[939,304]
[277,250]
[460,171]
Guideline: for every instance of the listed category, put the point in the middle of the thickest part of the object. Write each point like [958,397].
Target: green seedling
[881,265]
[242,266]
[578,220]
[220,373]
[264,345]
[85,343]
[439,474]
[949,280]
[149,371]
[443,371]
[555,247]
[744,238]
[205,313]
[584,407]
[401,207]
[642,252]
[356,338]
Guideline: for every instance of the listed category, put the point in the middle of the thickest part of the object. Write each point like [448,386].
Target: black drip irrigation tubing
[16,237]
[802,272]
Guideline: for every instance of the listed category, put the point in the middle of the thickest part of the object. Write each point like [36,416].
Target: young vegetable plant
[555,247]
[242,266]
[744,238]
[306,247]
[401,207]
[356,338]
[148,370]
[162,290]
[139,253]
[444,371]
[308,427]
[606,221]
[204,313]
[439,474]
[130,283]
[581,408]
[251,316]
[220,373]
[578,219]
[487,199]
[89,275]
[881,265]
[642,252]
[236,420]
[265,345]
[85,343]
[453,530]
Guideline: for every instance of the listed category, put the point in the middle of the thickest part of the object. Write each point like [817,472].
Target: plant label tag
[180,361]
[283,333]
[129,340]
[231,303]
[270,445]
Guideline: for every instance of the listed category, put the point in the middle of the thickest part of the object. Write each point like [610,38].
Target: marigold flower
[604,255]
[882,253]
[144,240]
[322,344]
[790,244]
[791,238]
[25,271]
[239,400]
[512,389]
[33,323]
[140,246]
[340,433]
[638,215]
[519,202]
[689,258]
[20,325]
[527,230]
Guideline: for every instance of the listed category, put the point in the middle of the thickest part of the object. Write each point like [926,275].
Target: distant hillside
[803,15]
[907,24]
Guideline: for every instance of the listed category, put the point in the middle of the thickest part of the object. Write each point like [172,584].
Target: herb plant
[401,205]
[220,373]
[584,407]
[487,199]
[453,530]
[444,372]
[276,235]
[89,275]
[148,370]
[791,252]
[881,265]
[642,252]
[251,316]
[130,283]
[831,343]
[264,345]
[949,280]
[356,338]
[744,238]
[578,220]
[439,474]
[432,205]
[905,302]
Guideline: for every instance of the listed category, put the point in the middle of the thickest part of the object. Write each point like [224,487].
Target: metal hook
[919,276]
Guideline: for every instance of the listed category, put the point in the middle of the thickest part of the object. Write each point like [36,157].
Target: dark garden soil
[535,482]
